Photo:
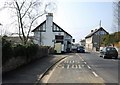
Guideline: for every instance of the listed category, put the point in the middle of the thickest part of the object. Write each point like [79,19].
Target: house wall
[67,38]
[89,44]
[47,38]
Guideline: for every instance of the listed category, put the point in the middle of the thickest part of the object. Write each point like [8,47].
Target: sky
[79,17]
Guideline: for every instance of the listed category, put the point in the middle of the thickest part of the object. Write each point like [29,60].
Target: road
[84,68]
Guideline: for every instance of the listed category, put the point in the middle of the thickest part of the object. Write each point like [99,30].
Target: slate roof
[38,26]
[54,24]
[92,33]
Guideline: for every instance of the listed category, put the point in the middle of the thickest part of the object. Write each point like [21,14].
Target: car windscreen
[110,49]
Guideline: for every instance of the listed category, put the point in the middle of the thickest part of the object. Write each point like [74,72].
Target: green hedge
[7,51]
[25,51]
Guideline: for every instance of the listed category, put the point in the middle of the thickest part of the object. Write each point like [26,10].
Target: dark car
[109,52]
[80,49]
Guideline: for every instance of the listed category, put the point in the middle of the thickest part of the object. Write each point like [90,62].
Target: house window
[56,29]
[42,28]
[102,32]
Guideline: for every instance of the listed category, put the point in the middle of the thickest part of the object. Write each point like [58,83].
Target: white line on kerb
[95,74]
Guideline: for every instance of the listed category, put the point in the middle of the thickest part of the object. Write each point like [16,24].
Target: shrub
[19,50]
[31,50]
[7,51]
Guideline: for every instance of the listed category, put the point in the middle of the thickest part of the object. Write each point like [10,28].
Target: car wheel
[104,57]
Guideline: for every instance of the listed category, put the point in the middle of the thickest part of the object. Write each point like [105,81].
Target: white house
[93,40]
[48,33]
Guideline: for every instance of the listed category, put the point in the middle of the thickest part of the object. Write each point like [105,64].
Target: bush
[31,50]
[19,50]
[7,51]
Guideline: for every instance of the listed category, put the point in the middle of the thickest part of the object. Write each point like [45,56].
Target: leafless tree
[116,11]
[26,14]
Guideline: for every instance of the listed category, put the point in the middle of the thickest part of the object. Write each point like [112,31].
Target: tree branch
[27,9]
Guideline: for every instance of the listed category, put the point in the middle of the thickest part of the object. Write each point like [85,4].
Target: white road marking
[79,66]
[95,74]
[89,67]
[72,66]
[85,62]
[73,61]
[68,66]
[76,66]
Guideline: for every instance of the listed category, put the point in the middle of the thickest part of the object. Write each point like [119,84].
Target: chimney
[49,21]
[49,17]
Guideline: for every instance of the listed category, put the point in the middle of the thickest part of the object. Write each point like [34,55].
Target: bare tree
[116,11]
[26,14]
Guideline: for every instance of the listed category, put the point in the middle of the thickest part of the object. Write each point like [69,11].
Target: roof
[62,29]
[92,33]
[54,24]
[38,26]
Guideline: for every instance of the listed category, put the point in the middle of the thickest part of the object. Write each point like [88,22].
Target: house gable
[41,27]
[96,31]
[55,28]
[59,29]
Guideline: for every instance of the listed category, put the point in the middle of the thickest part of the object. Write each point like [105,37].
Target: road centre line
[80,57]
[94,74]
[85,63]
[89,67]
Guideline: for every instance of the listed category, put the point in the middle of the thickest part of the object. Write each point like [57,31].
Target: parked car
[109,52]
[80,49]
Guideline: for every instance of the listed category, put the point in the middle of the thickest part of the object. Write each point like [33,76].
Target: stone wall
[16,62]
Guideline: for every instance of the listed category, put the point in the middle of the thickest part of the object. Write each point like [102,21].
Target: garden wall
[15,62]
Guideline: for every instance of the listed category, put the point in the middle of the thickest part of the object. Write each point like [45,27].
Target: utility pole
[100,23]
[99,34]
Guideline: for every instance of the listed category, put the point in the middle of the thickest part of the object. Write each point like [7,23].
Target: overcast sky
[78,17]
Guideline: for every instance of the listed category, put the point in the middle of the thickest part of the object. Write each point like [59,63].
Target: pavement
[29,74]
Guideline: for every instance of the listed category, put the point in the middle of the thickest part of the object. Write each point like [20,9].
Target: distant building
[48,33]
[82,42]
[93,40]
[16,39]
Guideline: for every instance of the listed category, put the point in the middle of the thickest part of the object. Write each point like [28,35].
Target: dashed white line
[95,74]
[85,63]
[89,67]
